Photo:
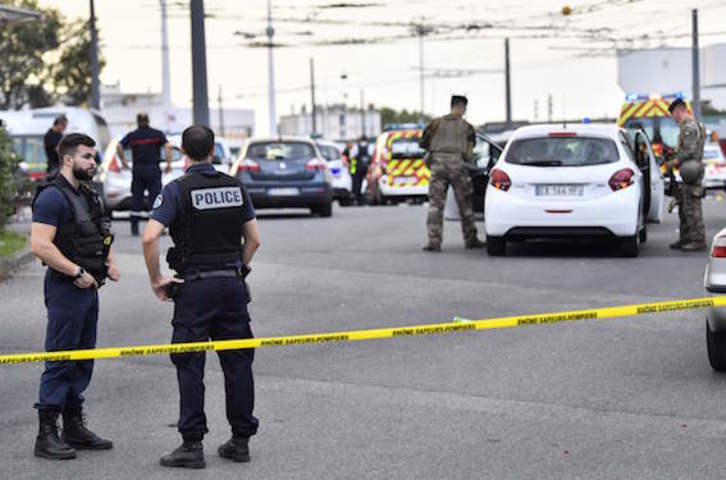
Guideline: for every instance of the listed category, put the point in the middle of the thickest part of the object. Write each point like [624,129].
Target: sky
[570,57]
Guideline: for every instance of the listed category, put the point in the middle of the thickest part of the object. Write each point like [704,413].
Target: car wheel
[643,235]
[716,343]
[345,201]
[630,246]
[380,198]
[325,210]
[496,246]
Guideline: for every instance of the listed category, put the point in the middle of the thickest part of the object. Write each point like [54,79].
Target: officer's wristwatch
[79,273]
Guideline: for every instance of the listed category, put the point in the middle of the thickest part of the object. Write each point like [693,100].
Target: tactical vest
[451,136]
[363,155]
[209,233]
[87,240]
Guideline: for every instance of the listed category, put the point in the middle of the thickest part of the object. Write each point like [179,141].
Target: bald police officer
[449,141]
[209,215]
[688,159]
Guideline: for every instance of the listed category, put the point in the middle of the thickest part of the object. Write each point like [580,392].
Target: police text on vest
[223,197]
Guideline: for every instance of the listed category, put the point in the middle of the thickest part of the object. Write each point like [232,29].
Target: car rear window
[406,148]
[280,151]
[562,151]
[330,153]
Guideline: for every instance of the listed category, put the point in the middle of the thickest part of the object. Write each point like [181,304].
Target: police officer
[51,140]
[145,143]
[449,141]
[70,235]
[689,155]
[360,157]
[208,214]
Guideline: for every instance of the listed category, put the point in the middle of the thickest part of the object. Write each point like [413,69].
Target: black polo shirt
[145,144]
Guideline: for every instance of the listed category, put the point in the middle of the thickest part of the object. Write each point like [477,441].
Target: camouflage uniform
[690,149]
[450,142]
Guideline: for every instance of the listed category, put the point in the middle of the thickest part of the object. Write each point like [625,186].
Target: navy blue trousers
[72,322]
[145,178]
[216,309]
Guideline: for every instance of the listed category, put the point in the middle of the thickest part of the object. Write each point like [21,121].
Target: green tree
[389,115]
[707,108]
[8,165]
[72,74]
[23,46]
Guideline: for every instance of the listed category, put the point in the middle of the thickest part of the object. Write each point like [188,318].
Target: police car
[574,181]
[715,167]
[341,181]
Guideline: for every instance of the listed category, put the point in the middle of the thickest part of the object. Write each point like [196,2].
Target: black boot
[236,449]
[76,434]
[48,444]
[188,455]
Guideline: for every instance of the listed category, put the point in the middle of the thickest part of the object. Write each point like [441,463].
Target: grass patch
[11,243]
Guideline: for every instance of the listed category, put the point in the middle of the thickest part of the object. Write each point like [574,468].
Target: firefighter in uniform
[70,234]
[689,155]
[360,158]
[449,141]
[145,144]
[208,214]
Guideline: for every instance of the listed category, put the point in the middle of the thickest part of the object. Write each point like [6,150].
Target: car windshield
[711,154]
[562,151]
[406,148]
[280,151]
[330,152]
[663,130]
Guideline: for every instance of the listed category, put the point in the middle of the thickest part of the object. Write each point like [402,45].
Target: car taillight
[621,179]
[113,165]
[718,250]
[248,165]
[316,164]
[500,180]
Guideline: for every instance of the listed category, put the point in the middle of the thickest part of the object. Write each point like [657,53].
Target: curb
[9,265]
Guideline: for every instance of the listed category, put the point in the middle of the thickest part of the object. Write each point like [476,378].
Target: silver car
[714,281]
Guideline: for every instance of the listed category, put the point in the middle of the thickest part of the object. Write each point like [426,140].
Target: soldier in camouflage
[449,142]
[688,160]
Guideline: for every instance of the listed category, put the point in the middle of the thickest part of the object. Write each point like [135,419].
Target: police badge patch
[158,202]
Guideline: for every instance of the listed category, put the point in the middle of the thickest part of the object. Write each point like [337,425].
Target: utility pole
[221,111]
[165,72]
[271,72]
[507,85]
[536,110]
[362,114]
[95,100]
[549,108]
[314,110]
[199,64]
[421,30]
[696,69]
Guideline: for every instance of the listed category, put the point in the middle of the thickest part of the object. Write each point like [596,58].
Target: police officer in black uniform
[209,215]
[145,144]
[70,234]
[360,158]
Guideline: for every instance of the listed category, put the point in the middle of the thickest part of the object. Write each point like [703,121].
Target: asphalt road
[621,398]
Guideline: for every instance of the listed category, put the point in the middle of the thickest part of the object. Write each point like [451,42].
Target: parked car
[285,172]
[116,182]
[714,281]
[222,159]
[342,183]
[579,181]
[715,167]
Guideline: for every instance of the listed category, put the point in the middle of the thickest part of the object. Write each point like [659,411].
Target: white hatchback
[574,181]
[715,167]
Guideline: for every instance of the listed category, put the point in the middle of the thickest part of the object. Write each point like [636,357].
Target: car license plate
[283,192]
[559,190]
[404,180]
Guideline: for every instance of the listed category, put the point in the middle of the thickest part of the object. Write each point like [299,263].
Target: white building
[668,70]
[120,109]
[334,122]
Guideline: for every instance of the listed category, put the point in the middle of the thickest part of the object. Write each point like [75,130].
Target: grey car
[714,281]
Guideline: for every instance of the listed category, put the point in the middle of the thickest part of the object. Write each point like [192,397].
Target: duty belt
[228,272]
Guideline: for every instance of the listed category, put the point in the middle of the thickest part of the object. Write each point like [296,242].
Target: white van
[28,127]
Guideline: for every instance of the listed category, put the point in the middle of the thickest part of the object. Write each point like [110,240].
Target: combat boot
[430,247]
[236,448]
[188,455]
[475,243]
[694,247]
[676,245]
[77,434]
[48,444]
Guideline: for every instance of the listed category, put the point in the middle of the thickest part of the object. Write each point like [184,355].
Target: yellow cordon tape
[378,333]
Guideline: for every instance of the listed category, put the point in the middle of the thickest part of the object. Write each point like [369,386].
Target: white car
[715,167]
[341,181]
[574,181]
[714,281]
[222,159]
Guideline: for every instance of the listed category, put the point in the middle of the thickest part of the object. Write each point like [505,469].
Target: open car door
[653,178]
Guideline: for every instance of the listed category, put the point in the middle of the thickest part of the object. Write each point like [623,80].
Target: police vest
[87,240]
[363,155]
[209,232]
